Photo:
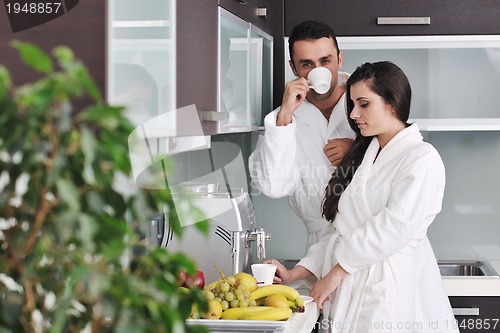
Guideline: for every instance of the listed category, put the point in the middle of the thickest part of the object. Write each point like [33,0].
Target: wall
[289,235]
[82,29]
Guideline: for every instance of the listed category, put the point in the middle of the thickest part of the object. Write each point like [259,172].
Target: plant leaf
[34,56]
[68,193]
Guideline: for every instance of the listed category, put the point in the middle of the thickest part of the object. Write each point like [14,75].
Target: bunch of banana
[257,313]
[276,294]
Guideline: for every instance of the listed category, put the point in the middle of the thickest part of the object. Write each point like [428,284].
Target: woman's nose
[354,114]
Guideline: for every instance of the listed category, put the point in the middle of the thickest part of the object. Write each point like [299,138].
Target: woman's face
[373,116]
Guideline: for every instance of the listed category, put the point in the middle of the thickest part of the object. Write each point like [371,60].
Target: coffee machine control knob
[260,237]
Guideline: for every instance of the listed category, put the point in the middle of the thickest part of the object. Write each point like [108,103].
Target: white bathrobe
[379,237]
[289,160]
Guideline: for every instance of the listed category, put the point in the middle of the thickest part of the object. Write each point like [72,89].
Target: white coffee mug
[319,79]
[264,273]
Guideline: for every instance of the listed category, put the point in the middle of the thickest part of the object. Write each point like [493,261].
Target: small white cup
[264,273]
[319,79]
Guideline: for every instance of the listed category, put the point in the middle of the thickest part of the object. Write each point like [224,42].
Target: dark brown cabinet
[476,314]
[426,17]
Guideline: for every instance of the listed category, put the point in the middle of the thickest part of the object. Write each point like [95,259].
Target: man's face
[309,54]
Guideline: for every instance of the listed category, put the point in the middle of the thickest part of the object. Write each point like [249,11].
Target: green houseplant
[66,234]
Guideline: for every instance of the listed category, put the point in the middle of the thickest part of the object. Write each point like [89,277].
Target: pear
[214,310]
[247,280]
[276,301]
[195,313]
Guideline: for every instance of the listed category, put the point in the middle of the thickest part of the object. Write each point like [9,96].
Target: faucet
[260,236]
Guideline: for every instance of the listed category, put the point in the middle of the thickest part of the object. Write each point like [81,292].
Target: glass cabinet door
[454,78]
[261,76]
[141,57]
[233,82]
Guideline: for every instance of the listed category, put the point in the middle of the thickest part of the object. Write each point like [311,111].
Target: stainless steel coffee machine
[232,231]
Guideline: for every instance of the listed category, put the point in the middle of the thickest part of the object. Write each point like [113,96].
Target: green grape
[243,304]
[241,297]
[209,295]
[222,295]
[252,302]
[229,296]
[225,305]
[231,280]
[218,299]
[235,303]
[242,287]
[247,293]
[224,287]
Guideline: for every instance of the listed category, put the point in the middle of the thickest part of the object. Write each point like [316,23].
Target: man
[309,134]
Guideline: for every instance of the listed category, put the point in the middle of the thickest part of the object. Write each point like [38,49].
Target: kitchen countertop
[474,285]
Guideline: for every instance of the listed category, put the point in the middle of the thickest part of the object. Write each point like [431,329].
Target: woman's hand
[282,274]
[285,276]
[327,285]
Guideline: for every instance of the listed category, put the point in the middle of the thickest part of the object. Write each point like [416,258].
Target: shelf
[458,124]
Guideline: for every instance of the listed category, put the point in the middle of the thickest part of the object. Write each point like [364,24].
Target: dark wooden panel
[197,55]
[247,10]
[489,313]
[82,29]
[358,17]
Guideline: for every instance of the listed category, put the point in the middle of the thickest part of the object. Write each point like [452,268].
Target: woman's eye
[364,105]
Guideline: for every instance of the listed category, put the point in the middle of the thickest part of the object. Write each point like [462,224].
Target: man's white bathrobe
[290,161]
[379,237]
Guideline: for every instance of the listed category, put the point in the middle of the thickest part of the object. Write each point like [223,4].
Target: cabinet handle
[262,12]
[403,20]
[466,311]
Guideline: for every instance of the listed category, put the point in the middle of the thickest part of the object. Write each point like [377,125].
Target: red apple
[181,280]
[198,280]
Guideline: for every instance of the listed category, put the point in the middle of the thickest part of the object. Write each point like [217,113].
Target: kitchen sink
[466,268]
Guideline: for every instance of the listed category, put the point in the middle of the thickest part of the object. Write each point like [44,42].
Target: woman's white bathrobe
[379,237]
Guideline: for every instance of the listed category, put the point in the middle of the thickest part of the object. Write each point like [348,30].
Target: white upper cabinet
[141,57]
[454,79]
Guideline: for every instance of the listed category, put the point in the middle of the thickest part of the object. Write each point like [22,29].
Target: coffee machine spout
[260,237]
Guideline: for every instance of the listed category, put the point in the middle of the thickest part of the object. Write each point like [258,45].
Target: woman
[376,268]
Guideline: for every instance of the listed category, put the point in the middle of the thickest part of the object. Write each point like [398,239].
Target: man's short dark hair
[308,30]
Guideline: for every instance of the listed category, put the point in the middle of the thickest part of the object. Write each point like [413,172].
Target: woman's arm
[286,276]
[327,285]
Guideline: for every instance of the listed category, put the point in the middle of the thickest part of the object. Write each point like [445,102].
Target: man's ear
[292,66]
[341,56]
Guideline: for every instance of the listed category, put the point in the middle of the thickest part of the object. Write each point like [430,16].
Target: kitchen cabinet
[172,43]
[175,42]
[245,79]
[267,16]
[453,78]
[393,18]
[476,314]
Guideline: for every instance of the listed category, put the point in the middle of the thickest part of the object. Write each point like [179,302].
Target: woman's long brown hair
[388,81]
